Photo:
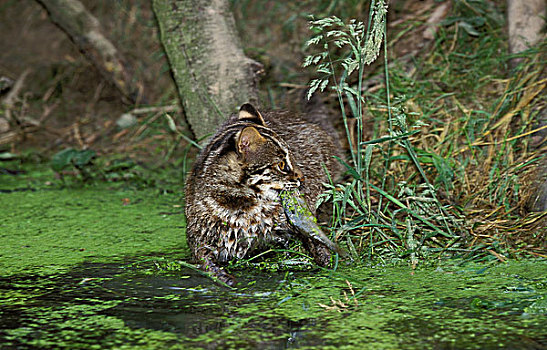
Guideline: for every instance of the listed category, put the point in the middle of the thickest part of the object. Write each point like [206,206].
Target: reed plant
[403,195]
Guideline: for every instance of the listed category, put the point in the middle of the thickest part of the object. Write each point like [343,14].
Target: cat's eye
[283,167]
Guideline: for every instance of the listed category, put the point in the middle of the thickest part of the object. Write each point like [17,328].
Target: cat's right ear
[247,112]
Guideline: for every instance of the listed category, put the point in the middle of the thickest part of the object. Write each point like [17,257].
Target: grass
[446,165]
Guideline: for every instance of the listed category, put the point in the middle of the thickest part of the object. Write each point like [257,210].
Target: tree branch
[85,31]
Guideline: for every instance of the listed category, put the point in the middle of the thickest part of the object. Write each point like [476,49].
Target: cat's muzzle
[292,185]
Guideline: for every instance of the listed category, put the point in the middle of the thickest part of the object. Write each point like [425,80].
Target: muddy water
[99,266]
[104,306]
[160,304]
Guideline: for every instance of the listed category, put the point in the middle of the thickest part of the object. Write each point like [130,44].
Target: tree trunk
[85,31]
[526,20]
[212,74]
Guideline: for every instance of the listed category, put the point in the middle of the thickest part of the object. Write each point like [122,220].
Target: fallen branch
[9,101]
[146,110]
[85,31]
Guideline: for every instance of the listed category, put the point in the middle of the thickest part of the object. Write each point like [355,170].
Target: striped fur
[232,194]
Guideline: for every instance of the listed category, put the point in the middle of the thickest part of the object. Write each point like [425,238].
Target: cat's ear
[247,112]
[249,140]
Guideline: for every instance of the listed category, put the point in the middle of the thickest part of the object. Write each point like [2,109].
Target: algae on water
[97,266]
[53,227]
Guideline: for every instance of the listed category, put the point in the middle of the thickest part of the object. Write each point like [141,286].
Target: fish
[301,218]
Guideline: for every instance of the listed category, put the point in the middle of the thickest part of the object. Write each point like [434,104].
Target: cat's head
[264,156]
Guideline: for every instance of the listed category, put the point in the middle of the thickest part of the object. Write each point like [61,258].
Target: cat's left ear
[247,112]
[249,141]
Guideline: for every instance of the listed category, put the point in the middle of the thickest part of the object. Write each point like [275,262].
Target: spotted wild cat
[233,206]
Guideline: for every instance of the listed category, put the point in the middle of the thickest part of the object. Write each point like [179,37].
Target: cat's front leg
[207,264]
[320,253]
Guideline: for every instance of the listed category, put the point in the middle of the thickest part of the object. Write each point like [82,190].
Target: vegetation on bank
[441,155]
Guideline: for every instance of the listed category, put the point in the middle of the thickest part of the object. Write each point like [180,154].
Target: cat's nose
[298,175]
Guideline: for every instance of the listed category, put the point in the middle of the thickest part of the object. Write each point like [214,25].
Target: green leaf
[69,157]
[351,170]
[351,101]
[83,157]
[62,159]
[8,156]
[170,123]
[468,28]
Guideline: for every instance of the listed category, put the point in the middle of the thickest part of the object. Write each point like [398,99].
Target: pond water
[156,304]
[103,266]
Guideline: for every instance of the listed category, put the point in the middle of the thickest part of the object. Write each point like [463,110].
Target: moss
[47,229]
[97,266]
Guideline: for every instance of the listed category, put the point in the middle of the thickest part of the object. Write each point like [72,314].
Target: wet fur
[232,194]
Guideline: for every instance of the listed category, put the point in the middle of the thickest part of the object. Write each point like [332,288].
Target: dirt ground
[64,101]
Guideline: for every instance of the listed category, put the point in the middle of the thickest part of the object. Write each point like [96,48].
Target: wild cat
[233,205]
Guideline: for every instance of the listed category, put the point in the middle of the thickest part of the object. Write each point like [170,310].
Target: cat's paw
[218,273]
[321,254]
